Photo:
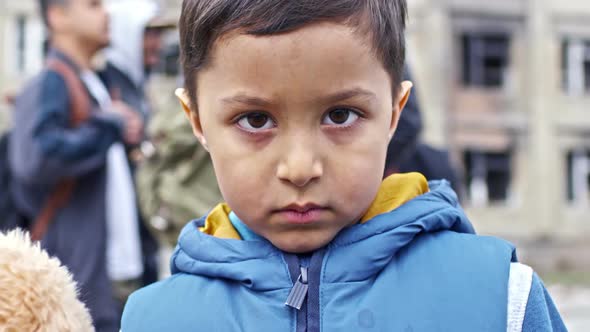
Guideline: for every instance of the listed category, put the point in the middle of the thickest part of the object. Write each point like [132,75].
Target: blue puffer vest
[417,268]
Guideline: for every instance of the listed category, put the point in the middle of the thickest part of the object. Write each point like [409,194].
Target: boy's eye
[340,117]
[256,122]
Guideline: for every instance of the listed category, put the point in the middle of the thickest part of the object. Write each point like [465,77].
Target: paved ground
[573,303]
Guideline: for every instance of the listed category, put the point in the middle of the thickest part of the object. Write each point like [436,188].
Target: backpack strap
[79,112]
[79,100]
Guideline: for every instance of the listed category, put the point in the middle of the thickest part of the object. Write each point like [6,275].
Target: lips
[302,213]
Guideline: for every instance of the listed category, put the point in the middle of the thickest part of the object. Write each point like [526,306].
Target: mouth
[301,214]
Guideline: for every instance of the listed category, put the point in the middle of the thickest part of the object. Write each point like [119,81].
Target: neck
[81,55]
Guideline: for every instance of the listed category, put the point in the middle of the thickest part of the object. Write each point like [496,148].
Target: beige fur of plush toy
[37,293]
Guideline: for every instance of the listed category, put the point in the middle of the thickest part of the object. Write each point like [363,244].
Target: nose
[300,163]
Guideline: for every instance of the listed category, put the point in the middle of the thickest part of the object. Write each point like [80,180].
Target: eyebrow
[329,99]
[247,100]
[348,94]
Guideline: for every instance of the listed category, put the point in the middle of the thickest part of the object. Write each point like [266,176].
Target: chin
[104,43]
[300,247]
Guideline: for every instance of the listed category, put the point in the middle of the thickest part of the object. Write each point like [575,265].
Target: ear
[193,116]
[398,105]
[57,18]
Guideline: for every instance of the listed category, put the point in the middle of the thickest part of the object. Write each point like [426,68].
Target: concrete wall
[533,114]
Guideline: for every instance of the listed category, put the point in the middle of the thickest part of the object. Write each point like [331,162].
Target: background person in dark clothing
[406,152]
[136,44]
[45,149]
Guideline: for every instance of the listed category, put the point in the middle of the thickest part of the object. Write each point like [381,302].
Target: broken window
[488,176]
[578,177]
[575,66]
[485,59]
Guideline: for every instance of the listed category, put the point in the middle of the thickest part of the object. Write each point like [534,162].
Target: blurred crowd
[103,180]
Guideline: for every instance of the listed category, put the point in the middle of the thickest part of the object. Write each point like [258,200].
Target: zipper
[299,291]
[304,296]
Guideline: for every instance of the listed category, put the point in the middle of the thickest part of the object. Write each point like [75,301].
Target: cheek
[363,177]
[366,150]
[243,177]
[235,157]
[91,24]
[362,165]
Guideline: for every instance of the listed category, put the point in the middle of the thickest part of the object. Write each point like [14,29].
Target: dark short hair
[202,22]
[44,8]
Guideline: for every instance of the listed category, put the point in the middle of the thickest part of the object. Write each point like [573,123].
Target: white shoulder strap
[519,288]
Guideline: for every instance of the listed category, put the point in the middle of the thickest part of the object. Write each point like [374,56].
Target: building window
[575,66]
[578,177]
[485,59]
[21,43]
[488,176]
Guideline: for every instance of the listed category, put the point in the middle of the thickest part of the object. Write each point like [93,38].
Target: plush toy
[37,293]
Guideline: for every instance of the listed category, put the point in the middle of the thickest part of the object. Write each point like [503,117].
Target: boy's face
[85,20]
[152,47]
[297,126]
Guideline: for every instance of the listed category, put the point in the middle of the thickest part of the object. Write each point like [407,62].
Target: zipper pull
[299,291]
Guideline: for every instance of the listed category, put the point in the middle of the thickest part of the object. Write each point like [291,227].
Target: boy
[49,154]
[296,101]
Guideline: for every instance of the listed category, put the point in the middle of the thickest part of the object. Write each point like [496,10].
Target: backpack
[10,216]
[176,183]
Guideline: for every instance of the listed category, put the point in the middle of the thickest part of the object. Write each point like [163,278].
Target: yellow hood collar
[395,191]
